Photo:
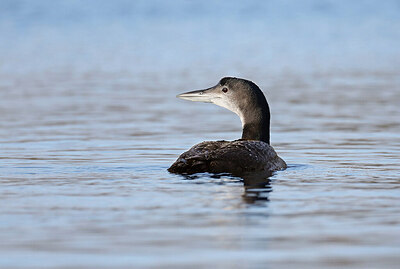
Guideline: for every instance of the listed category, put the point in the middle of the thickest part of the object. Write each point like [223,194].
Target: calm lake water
[89,123]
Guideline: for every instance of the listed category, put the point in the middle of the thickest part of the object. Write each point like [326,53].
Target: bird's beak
[205,96]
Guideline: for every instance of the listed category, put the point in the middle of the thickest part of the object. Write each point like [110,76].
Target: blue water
[89,123]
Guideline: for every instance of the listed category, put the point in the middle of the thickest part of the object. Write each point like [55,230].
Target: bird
[252,152]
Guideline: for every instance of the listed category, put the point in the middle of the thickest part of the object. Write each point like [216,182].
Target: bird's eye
[224,89]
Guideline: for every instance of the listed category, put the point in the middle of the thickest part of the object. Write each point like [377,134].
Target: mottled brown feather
[235,157]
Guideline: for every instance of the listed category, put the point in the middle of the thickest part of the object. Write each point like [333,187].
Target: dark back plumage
[235,157]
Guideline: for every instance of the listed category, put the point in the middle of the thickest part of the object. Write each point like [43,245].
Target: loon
[251,153]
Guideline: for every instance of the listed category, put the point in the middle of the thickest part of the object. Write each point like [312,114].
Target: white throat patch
[228,105]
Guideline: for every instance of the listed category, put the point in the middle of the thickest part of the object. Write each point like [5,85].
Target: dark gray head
[242,97]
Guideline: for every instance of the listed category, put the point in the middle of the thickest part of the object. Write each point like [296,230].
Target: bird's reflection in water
[256,185]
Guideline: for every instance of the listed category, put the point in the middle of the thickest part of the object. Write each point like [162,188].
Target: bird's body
[235,157]
[252,153]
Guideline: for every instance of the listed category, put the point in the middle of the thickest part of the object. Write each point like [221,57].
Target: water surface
[89,123]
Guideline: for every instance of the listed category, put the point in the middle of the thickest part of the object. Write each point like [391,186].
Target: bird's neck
[256,125]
